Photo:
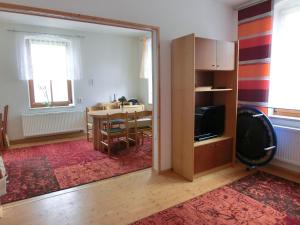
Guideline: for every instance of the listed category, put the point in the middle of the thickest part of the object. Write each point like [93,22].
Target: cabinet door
[223,152]
[206,54]
[225,55]
[204,158]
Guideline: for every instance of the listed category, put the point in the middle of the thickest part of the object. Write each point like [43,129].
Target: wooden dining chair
[110,133]
[144,124]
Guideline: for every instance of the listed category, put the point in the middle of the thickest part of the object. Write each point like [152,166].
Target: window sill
[52,107]
[285,121]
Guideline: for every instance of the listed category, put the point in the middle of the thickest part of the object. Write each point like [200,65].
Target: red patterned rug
[258,199]
[38,170]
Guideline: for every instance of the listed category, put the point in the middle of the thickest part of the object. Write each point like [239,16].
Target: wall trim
[286,166]
[48,138]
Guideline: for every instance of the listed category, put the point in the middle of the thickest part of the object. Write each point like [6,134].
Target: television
[209,122]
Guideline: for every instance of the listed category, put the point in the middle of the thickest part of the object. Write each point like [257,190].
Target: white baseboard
[286,165]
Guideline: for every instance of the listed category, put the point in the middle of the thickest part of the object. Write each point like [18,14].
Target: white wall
[206,18]
[110,65]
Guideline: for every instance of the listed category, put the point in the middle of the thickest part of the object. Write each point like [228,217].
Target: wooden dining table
[100,115]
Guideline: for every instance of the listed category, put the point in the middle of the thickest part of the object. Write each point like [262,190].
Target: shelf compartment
[210,141]
[205,89]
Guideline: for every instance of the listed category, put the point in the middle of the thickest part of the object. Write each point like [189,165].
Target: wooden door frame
[34,11]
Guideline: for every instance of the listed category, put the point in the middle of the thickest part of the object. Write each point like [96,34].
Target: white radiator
[52,123]
[288,145]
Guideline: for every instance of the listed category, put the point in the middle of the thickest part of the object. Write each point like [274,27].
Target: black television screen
[209,121]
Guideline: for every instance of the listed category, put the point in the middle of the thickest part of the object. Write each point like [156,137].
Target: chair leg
[136,140]
[142,138]
[127,140]
[1,140]
[108,145]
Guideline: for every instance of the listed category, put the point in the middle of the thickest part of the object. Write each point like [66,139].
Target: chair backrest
[109,117]
[114,116]
[147,113]
[113,105]
[5,117]
[91,109]
[143,114]
[132,120]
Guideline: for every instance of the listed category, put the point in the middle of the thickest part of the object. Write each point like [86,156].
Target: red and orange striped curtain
[255,36]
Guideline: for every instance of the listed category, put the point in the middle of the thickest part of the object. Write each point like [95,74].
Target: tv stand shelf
[212,140]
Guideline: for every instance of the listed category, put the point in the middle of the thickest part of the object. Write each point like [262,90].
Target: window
[49,85]
[285,65]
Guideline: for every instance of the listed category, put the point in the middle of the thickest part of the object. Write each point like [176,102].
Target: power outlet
[91,82]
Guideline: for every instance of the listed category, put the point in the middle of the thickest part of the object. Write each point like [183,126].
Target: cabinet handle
[218,65]
[213,65]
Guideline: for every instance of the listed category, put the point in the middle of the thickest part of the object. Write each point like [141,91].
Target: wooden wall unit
[198,63]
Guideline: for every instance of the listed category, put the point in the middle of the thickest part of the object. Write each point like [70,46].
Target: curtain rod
[32,32]
[248,4]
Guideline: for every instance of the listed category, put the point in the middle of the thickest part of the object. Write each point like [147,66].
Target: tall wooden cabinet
[198,63]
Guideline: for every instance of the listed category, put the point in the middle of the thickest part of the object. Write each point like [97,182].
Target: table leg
[1,133]
[96,133]
[100,134]
[1,211]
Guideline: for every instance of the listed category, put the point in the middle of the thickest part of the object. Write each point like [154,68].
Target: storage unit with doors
[203,74]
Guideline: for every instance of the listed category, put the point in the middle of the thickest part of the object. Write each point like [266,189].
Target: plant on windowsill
[45,93]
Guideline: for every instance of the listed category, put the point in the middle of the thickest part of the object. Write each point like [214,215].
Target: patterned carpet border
[259,198]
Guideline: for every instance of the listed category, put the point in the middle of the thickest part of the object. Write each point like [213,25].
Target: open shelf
[205,89]
[212,140]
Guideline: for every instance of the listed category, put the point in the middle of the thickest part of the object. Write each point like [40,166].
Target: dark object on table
[122,100]
[134,101]
[209,122]
[256,141]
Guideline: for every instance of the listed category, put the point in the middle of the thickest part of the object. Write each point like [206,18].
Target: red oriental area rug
[38,170]
[258,199]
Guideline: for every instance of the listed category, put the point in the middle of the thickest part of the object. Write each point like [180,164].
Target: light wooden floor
[119,200]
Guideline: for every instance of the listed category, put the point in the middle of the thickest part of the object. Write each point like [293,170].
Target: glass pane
[49,61]
[60,91]
[42,93]
[285,70]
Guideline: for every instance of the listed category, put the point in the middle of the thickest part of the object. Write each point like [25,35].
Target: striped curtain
[255,36]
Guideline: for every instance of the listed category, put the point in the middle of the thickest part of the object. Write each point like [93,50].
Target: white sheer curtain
[146,62]
[74,59]
[146,71]
[22,55]
[285,69]
[48,57]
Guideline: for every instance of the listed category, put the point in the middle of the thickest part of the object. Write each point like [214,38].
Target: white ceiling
[234,3]
[15,18]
